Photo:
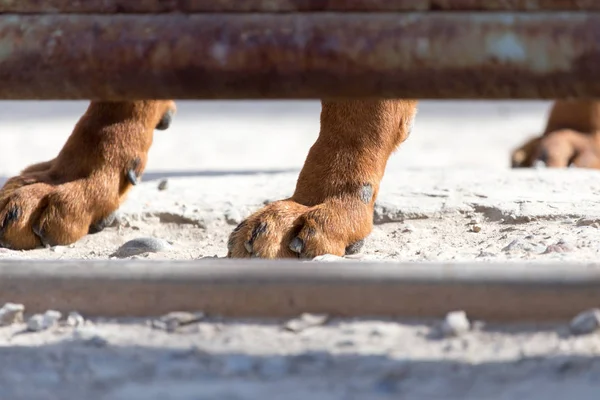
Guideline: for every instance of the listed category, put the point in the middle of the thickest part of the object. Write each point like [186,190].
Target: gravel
[586,323]
[140,246]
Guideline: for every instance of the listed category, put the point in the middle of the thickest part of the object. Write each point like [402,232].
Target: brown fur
[57,202]
[330,212]
[571,137]
[326,214]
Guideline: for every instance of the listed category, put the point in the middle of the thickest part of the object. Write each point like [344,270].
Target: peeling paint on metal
[507,47]
[223,56]
[219,51]
[195,6]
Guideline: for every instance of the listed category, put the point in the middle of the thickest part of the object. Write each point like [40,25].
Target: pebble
[171,321]
[75,319]
[456,323]
[163,185]
[560,247]
[588,222]
[41,322]
[520,245]
[51,318]
[305,321]
[11,313]
[476,228]
[36,323]
[586,322]
[139,246]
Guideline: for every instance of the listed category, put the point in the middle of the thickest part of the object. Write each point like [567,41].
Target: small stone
[41,322]
[36,323]
[51,318]
[560,247]
[139,246]
[476,228]
[588,222]
[163,185]
[11,313]
[305,321]
[89,336]
[75,319]
[520,245]
[586,322]
[171,321]
[455,324]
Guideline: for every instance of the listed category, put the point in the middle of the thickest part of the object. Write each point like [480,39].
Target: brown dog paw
[570,138]
[286,229]
[559,149]
[60,201]
[331,211]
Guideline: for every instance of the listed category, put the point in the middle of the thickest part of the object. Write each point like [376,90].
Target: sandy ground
[224,160]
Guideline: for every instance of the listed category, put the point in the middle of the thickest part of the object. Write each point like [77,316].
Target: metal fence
[259,49]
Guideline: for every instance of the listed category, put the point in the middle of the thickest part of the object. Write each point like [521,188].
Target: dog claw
[39,232]
[132,177]
[12,215]
[165,121]
[297,245]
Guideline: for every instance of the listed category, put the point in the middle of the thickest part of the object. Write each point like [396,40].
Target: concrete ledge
[256,288]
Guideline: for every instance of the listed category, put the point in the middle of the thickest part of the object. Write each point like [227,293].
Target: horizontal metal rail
[286,56]
[191,6]
[258,288]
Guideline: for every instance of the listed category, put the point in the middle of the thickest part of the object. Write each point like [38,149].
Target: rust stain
[198,6]
[253,56]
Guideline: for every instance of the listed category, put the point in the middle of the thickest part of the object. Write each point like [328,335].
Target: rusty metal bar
[254,56]
[195,6]
[257,288]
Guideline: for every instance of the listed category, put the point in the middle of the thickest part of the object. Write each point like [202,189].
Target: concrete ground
[223,160]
